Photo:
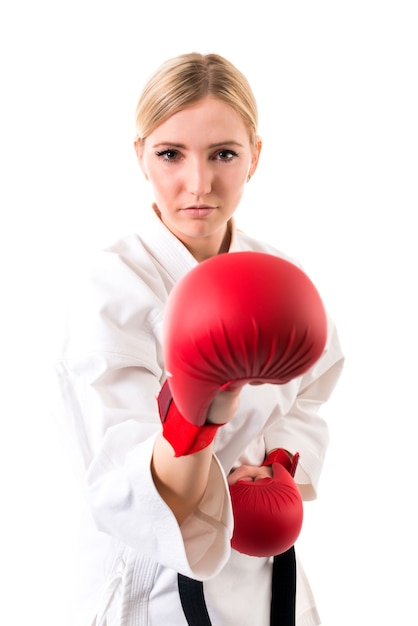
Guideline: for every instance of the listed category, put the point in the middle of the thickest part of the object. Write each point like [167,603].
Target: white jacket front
[110,373]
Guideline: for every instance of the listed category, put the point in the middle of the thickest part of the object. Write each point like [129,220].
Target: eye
[168,155]
[226,155]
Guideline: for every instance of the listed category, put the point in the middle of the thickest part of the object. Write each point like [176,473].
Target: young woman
[158,524]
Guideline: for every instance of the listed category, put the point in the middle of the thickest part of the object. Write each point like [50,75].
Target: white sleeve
[109,406]
[302,429]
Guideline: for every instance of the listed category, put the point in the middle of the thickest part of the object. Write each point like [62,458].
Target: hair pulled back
[184,80]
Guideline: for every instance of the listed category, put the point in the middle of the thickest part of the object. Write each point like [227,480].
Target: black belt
[283,594]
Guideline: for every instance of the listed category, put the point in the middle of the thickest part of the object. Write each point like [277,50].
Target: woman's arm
[182,481]
[110,372]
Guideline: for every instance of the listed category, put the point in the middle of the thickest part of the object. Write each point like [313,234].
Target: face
[198,162]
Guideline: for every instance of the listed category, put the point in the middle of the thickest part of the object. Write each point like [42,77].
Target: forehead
[210,120]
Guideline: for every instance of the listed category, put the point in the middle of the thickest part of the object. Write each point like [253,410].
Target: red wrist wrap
[184,437]
[280,456]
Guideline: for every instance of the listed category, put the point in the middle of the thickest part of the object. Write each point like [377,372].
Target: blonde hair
[186,79]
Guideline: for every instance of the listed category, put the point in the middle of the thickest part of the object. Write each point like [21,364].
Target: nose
[199,178]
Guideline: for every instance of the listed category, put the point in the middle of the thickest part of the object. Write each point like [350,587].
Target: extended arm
[223,329]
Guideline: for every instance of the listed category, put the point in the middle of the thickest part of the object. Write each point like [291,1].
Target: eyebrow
[228,142]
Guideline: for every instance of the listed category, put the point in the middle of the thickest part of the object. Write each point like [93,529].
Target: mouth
[199,210]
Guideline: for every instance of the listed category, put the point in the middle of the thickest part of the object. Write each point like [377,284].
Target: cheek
[236,190]
[164,183]
[234,182]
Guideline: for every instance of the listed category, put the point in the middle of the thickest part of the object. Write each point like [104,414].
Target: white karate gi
[110,372]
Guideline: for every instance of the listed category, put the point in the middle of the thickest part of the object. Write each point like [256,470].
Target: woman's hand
[249,473]
[223,407]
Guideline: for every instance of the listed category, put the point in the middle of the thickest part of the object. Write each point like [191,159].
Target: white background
[336,188]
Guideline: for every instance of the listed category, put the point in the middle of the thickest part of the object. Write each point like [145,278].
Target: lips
[199,210]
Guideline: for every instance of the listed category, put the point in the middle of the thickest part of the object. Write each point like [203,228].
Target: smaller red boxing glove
[268,512]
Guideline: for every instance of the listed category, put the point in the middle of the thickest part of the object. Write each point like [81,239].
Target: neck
[201,253]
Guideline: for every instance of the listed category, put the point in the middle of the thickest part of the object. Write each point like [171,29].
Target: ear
[139,149]
[255,156]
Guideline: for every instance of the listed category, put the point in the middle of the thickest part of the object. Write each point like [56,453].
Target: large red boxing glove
[268,512]
[235,318]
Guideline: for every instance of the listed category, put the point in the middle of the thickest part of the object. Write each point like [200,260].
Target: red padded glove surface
[268,513]
[234,319]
